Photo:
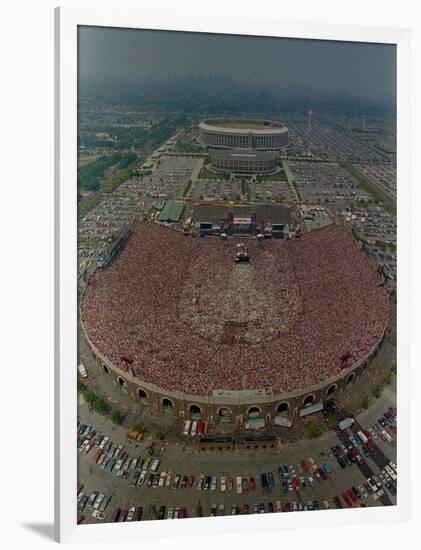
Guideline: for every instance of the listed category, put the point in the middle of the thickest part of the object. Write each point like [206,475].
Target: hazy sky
[366,70]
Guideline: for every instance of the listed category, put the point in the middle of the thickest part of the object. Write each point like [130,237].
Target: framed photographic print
[232,274]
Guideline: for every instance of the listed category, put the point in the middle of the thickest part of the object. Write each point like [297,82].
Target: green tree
[139,427]
[89,396]
[365,402]
[102,407]
[388,377]
[81,386]
[377,391]
[393,368]
[332,422]
[314,430]
[117,416]
[159,435]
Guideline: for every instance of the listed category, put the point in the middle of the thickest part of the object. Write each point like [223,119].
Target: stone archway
[308,400]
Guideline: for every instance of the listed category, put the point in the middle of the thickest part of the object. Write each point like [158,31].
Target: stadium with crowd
[179,324]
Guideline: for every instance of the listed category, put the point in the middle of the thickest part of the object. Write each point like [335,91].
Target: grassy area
[115,181]
[127,165]
[87,203]
[206,174]
[279,176]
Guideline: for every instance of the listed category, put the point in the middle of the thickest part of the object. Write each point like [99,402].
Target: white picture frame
[67,21]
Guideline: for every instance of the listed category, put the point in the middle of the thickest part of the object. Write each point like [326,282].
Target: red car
[347,500]
[351,495]
[287,507]
[322,473]
[123,515]
[252,484]
[357,456]
[304,465]
[246,509]
[183,512]
[296,483]
[371,449]
[80,519]
[190,482]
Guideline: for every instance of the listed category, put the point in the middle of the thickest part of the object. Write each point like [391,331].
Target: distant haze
[264,64]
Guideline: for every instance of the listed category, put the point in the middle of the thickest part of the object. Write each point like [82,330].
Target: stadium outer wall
[271,137]
[239,403]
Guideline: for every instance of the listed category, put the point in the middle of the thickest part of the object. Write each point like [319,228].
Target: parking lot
[305,475]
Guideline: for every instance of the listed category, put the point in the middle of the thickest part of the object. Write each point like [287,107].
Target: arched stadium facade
[234,407]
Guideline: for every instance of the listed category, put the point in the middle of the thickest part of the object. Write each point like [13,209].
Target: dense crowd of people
[181,314]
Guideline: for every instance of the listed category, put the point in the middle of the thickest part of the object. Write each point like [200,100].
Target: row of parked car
[111,456]
[96,503]
[193,428]
[361,442]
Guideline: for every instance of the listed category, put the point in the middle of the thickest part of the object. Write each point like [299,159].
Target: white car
[393,464]
[155,465]
[142,478]
[99,515]
[213,483]
[130,515]
[168,480]
[103,442]
[162,479]
[239,485]
[223,483]
[391,472]
[98,501]
[193,428]
[170,514]
[187,426]
[200,481]
[387,436]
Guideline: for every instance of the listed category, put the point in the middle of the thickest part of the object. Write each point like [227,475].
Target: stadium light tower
[310,114]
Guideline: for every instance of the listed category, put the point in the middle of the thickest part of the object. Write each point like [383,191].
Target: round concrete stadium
[263,135]
[178,325]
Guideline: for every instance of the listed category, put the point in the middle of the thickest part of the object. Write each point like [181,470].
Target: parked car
[131,513]
[351,495]
[239,485]
[115,515]
[347,500]
[176,481]
[213,483]
[200,482]
[304,465]
[105,502]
